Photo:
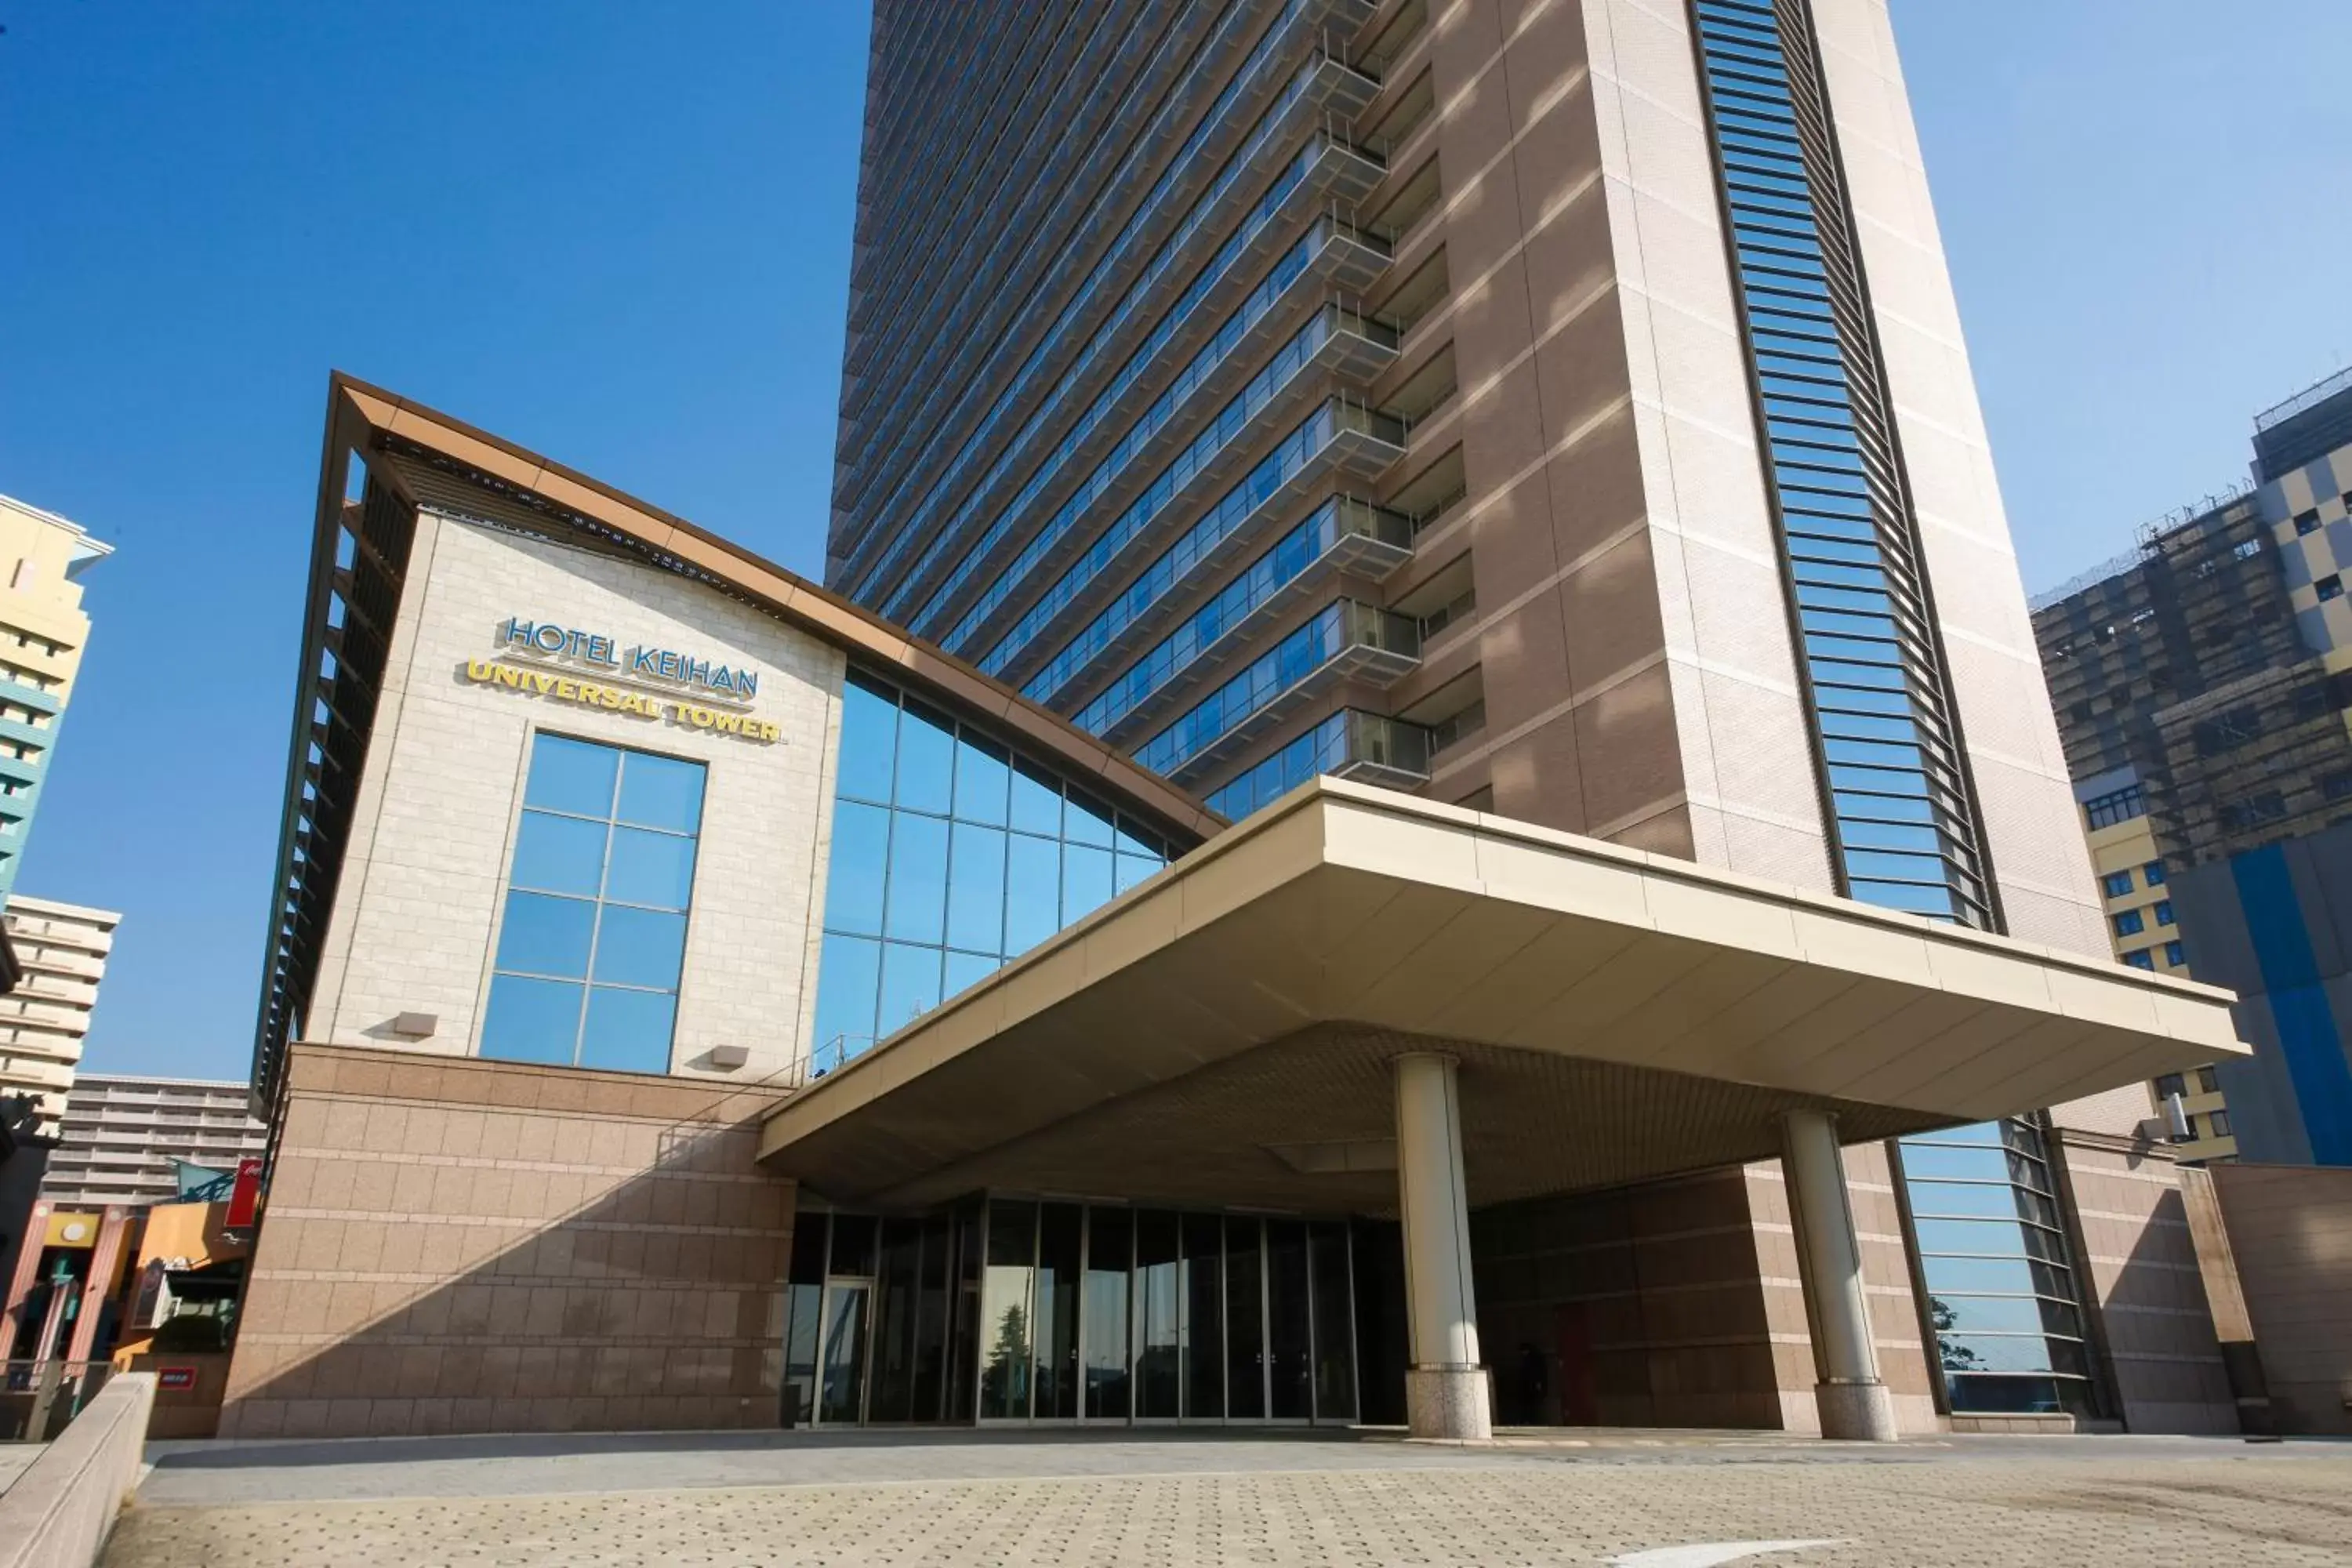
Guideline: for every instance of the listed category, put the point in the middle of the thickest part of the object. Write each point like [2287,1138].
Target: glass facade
[1010,1310]
[1149,217]
[1902,819]
[2000,1284]
[593,939]
[1901,814]
[951,853]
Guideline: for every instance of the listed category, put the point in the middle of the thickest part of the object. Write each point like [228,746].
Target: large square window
[593,945]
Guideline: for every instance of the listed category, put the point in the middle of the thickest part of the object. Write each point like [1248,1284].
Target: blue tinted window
[640,947]
[559,854]
[2162,912]
[2174,955]
[603,868]
[852,884]
[628,1031]
[2116,883]
[545,935]
[870,742]
[571,776]
[2154,873]
[926,761]
[976,889]
[849,982]
[531,1020]
[2130,924]
[958,855]
[1033,891]
[2141,958]
[916,903]
[661,792]
[983,774]
[652,868]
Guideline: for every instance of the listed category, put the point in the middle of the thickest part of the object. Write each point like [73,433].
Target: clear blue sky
[623,241]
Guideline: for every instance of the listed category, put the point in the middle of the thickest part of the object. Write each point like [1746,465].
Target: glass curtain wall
[1069,1311]
[1901,814]
[950,854]
[2001,1285]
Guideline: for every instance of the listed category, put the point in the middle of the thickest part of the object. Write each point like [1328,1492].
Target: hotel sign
[667,670]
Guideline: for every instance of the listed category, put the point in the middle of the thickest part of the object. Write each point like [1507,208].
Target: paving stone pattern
[1520,1510]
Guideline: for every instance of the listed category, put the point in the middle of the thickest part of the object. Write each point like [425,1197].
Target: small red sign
[175,1377]
[244,1194]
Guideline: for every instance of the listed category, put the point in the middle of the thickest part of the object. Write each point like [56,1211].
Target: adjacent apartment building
[62,949]
[123,1139]
[43,631]
[2203,683]
[1561,411]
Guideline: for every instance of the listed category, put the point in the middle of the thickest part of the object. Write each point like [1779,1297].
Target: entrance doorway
[1014,1311]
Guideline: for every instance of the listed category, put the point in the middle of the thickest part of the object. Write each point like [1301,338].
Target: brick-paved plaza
[957,1498]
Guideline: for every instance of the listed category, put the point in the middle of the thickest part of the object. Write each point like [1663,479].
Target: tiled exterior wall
[1746,755]
[2290,1228]
[2148,1300]
[1683,1297]
[416,909]
[2039,861]
[478,1246]
[1570,639]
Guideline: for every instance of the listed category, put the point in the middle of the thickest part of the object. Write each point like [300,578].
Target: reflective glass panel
[870,742]
[574,776]
[917,909]
[559,854]
[640,947]
[629,871]
[627,1031]
[544,935]
[531,1020]
[923,858]
[661,792]
[926,761]
[652,868]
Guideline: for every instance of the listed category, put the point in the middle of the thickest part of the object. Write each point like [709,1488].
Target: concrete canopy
[1223,1033]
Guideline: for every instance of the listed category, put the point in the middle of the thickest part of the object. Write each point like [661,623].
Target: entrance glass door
[842,1396]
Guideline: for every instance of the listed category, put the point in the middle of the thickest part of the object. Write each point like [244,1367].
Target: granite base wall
[453,1245]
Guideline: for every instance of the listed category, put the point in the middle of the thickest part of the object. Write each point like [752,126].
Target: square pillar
[1446,1385]
[1853,1403]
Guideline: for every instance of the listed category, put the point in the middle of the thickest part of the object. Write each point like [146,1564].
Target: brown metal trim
[792,598]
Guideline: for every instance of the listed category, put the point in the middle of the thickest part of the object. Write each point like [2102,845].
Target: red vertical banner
[245,1195]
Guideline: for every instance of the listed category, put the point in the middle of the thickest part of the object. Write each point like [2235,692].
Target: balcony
[1349,744]
[1350,538]
[1347,642]
[1340,440]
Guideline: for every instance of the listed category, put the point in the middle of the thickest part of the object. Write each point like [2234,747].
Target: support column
[1445,1394]
[1853,1403]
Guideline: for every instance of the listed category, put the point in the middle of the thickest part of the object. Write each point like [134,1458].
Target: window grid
[1145,216]
[951,854]
[1901,821]
[589,963]
[2001,1280]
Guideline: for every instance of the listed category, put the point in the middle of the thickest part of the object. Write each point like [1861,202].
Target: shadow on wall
[459,1245]
[2289,1231]
[2150,1327]
[1645,1305]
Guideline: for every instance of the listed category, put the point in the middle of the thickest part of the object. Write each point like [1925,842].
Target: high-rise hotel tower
[1556,408]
